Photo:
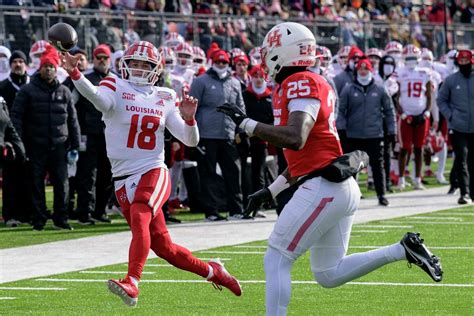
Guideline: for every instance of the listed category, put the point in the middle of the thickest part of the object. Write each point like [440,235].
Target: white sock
[135,281]
[278,282]
[356,265]
[211,272]
[401,180]
[417,180]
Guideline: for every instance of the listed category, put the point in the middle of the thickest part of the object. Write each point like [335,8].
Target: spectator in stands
[17,203]
[467,16]
[217,132]
[347,76]
[364,108]
[4,62]
[93,178]
[45,119]
[258,106]
[455,103]
[11,149]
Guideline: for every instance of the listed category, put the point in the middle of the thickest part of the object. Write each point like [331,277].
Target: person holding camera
[455,103]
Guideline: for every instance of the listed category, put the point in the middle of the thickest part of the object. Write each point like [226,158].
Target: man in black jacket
[17,203]
[93,177]
[46,120]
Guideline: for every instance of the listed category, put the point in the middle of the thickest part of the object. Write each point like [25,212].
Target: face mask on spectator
[221,72]
[4,64]
[388,70]
[261,89]
[466,70]
[351,64]
[364,80]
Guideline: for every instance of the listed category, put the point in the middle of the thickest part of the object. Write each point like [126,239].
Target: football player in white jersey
[184,62]
[414,109]
[136,113]
[395,50]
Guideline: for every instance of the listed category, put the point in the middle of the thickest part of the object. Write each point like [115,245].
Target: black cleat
[417,253]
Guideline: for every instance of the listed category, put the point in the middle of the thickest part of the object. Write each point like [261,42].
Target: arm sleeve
[73,126]
[434,110]
[443,101]
[187,134]
[341,117]
[75,96]
[101,97]
[12,136]
[388,113]
[310,106]
[20,103]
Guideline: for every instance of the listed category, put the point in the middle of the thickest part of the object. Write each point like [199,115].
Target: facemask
[221,73]
[35,61]
[411,64]
[388,70]
[4,64]
[426,64]
[466,70]
[259,90]
[364,80]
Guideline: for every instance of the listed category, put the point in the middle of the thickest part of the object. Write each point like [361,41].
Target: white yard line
[456,214]
[7,298]
[369,231]
[356,247]
[458,219]
[91,252]
[15,288]
[263,281]
[430,223]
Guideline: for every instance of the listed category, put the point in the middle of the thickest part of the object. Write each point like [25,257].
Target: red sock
[140,217]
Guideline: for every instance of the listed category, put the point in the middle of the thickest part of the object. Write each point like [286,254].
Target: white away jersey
[413,89]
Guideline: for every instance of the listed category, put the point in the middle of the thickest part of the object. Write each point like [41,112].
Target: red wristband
[75,74]
[191,122]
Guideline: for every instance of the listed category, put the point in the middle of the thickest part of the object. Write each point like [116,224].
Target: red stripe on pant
[308,223]
[150,232]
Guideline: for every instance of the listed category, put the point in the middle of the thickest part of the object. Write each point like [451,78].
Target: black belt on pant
[121,177]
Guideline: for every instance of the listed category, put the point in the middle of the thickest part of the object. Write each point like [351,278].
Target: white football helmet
[427,58]
[411,56]
[255,56]
[169,58]
[342,55]
[395,50]
[184,55]
[199,57]
[288,44]
[450,56]
[37,50]
[173,39]
[142,51]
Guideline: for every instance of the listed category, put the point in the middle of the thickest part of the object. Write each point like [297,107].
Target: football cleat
[125,289]
[417,253]
[222,278]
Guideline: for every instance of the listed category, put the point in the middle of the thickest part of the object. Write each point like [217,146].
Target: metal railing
[20,27]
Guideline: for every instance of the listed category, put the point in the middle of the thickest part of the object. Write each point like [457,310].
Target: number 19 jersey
[322,145]
[135,126]
[413,90]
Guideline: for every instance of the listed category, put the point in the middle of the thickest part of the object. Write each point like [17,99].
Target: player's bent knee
[324,279]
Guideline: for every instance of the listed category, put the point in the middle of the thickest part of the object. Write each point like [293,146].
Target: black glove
[9,153]
[232,111]
[256,201]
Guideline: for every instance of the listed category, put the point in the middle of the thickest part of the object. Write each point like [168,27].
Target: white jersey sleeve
[187,134]
[102,97]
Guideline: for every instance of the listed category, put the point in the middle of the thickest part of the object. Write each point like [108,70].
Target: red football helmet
[434,142]
[141,51]
[184,55]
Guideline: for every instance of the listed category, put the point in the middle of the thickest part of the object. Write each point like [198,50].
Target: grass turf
[186,298]
[25,236]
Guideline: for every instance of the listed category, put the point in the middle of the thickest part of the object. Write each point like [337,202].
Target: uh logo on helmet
[288,44]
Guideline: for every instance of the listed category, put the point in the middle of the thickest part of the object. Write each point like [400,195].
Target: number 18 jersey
[135,125]
[322,145]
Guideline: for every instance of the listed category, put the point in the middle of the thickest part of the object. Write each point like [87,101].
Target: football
[62,36]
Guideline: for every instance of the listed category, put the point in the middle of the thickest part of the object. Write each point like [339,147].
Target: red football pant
[413,135]
[150,231]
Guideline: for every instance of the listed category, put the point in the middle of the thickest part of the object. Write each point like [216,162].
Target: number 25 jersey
[322,145]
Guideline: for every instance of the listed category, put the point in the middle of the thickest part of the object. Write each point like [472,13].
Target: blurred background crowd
[211,49]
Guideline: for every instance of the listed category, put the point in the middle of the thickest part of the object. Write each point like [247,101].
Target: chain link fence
[20,27]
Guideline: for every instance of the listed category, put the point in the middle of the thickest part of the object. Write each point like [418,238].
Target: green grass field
[393,290]
[24,235]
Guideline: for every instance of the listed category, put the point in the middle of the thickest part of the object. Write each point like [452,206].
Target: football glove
[232,111]
[256,200]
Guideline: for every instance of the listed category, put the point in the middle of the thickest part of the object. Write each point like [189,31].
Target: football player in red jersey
[320,214]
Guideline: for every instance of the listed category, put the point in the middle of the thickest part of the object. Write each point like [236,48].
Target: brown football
[62,36]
